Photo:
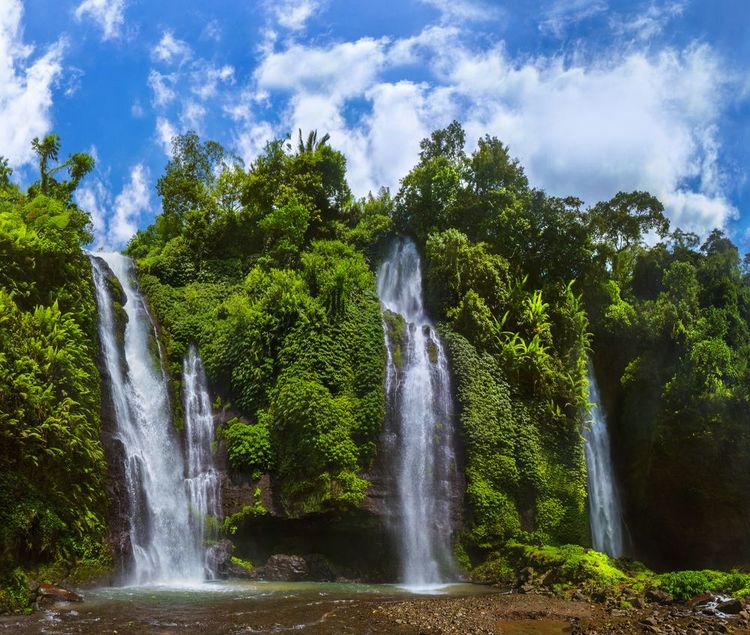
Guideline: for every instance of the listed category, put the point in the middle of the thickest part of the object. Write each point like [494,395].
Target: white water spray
[420,425]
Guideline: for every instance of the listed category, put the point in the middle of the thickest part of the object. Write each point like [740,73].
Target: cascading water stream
[605,513]
[163,544]
[202,477]
[421,450]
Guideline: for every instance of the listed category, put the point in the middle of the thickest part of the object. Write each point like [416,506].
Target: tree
[622,223]
[312,143]
[78,165]
[446,142]
[5,172]
[188,179]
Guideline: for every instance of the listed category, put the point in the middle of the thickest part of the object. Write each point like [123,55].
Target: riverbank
[541,614]
[321,609]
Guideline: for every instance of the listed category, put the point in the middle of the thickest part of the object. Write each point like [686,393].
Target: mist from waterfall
[419,432]
[605,512]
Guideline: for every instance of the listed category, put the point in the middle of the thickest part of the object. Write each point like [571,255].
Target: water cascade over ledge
[605,513]
[419,431]
[162,538]
[202,477]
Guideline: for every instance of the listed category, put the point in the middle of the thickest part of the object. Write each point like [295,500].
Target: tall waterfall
[162,540]
[419,426]
[604,502]
[202,477]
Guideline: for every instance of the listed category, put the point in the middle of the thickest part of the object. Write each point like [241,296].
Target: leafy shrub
[249,446]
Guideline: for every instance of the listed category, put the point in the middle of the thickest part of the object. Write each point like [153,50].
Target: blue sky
[593,96]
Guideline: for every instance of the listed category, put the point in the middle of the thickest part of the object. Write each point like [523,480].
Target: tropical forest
[464,382]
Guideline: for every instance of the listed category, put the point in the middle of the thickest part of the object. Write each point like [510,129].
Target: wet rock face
[114,451]
[285,568]
[219,557]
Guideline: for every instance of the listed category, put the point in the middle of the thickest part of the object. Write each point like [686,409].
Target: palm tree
[312,143]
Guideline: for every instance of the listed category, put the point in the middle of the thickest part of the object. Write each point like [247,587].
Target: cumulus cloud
[341,70]
[109,15]
[115,219]
[637,121]
[165,132]
[93,198]
[162,87]
[26,83]
[129,205]
[627,118]
[294,14]
[170,49]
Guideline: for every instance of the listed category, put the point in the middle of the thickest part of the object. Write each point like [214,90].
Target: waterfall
[162,539]
[419,426]
[604,502]
[202,478]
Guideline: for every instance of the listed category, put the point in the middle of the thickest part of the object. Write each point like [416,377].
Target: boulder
[218,557]
[285,568]
[729,607]
[58,593]
[319,569]
[657,596]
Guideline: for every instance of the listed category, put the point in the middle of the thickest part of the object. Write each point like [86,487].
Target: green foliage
[243,564]
[269,271]
[234,522]
[683,585]
[673,321]
[52,500]
[249,446]
[291,334]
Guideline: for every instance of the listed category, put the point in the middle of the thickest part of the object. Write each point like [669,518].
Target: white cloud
[108,14]
[170,49]
[130,204]
[561,14]
[464,10]
[251,138]
[115,219]
[165,132]
[25,86]
[205,79]
[192,115]
[94,198]
[294,14]
[625,122]
[341,70]
[647,23]
[588,125]
[212,31]
[182,97]
[162,86]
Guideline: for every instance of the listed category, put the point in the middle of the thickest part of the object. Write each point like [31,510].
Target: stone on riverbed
[58,593]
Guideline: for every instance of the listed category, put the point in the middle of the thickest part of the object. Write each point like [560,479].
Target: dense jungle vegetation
[52,494]
[270,269]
